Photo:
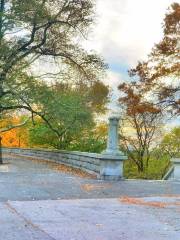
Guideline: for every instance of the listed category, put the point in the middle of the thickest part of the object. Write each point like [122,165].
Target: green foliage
[171,143]
[88,142]
[156,169]
[73,140]
[159,161]
[83,136]
[40,135]
[47,31]
[67,114]
[98,96]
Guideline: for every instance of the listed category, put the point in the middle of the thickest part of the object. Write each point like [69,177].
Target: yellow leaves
[101,130]
[141,202]
[17,137]
[92,187]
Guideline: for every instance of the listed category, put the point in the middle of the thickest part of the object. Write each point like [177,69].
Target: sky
[124,33]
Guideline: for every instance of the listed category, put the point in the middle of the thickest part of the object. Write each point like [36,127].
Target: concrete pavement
[41,203]
[27,180]
[97,219]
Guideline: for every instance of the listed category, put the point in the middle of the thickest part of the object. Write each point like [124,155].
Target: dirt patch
[142,202]
[137,201]
[92,187]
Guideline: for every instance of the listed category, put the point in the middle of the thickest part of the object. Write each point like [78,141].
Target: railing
[108,167]
[174,171]
[170,174]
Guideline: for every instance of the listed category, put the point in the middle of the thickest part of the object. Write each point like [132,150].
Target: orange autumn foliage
[17,137]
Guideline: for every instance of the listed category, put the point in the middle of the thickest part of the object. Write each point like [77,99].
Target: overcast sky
[125,32]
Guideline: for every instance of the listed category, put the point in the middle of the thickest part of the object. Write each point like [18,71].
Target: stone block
[107,166]
[111,167]
[176,169]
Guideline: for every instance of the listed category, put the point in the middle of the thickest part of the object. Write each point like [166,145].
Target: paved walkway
[27,180]
[105,219]
[38,202]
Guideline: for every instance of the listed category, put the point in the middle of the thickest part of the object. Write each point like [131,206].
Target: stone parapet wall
[174,172]
[86,161]
[105,166]
[108,165]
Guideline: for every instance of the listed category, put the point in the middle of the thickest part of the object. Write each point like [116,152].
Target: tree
[69,110]
[31,30]
[91,139]
[14,137]
[141,122]
[39,30]
[159,75]
[67,114]
[7,126]
[171,143]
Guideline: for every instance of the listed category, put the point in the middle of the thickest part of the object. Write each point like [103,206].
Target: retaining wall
[85,161]
[105,166]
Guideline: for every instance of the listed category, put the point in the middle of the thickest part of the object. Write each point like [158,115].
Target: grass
[156,169]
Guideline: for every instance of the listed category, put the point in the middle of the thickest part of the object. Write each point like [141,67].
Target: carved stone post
[111,164]
[113,137]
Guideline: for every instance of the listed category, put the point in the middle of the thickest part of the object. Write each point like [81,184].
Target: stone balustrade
[174,171]
[108,165]
[105,167]
[176,168]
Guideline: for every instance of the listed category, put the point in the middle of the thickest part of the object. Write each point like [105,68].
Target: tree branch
[2,130]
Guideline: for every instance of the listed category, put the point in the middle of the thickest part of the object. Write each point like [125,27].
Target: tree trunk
[147,162]
[140,166]
[1,160]
[2,6]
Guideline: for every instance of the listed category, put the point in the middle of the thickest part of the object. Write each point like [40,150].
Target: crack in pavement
[26,220]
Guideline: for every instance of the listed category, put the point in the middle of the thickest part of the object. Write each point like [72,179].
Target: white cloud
[114,80]
[127,29]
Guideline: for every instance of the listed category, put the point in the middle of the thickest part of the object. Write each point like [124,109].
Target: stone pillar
[111,163]
[176,168]
[113,139]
